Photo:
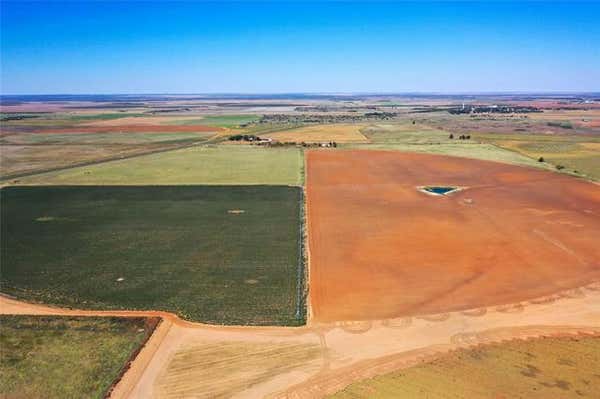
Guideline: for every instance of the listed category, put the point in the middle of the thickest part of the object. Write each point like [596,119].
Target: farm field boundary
[5,179]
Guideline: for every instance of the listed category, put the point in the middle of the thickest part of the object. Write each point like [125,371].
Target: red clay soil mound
[379,248]
[135,129]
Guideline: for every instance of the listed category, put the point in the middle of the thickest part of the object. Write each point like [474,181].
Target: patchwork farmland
[278,270]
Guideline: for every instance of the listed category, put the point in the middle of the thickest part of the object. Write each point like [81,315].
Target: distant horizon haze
[315,94]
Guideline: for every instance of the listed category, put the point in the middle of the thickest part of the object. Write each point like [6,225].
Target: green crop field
[543,368]
[216,254]
[223,164]
[65,357]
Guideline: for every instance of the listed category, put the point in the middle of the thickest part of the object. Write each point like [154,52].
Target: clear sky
[278,47]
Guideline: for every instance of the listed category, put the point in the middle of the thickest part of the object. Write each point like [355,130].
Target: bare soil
[143,128]
[381,249]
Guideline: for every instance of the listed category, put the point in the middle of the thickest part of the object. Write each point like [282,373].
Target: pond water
[441,190]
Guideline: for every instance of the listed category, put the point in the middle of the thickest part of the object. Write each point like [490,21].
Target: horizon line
[317,93]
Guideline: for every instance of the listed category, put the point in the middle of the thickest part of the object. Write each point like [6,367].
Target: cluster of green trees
[330,144]
[564,125]
[461,137]
[244,137]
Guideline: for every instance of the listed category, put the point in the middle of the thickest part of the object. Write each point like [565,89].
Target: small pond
[439,190]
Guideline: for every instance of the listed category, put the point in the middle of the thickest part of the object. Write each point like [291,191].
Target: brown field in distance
[23,159]
[140,120]
[380,248]
[134,128]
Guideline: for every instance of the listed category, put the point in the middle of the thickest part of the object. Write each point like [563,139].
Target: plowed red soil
[135,128]
[380,248]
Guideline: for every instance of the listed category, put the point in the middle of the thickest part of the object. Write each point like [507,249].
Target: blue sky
[279,47]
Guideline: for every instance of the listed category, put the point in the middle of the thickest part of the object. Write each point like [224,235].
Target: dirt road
[185,359]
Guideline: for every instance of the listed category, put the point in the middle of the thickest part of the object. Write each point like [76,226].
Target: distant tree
[451,136]
[245,137]
[414,122]
[559,167]
[541,159]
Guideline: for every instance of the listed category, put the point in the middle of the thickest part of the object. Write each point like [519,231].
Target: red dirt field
[379,248]
[135,129]
[123,129]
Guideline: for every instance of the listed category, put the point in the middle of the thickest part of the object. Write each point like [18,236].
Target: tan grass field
[582,158]
[559,150]
[589,119]
[565,114]
[224,369]
[15,159]
[405,133]
[544,368]
[340,133]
